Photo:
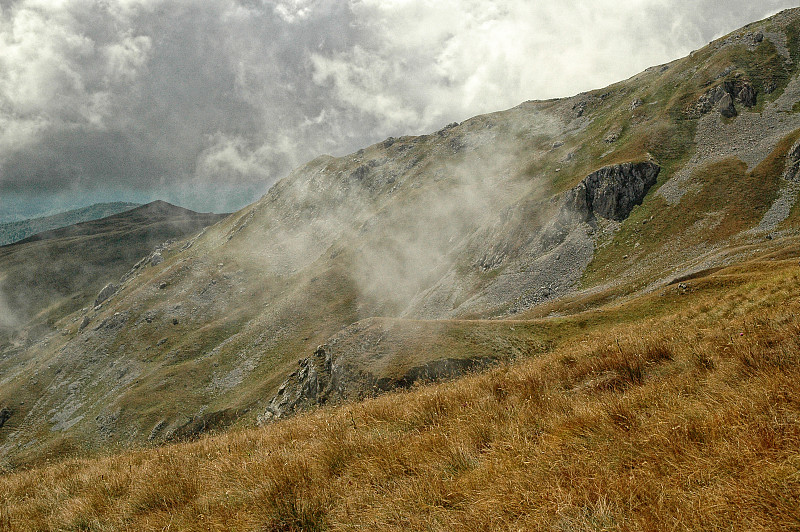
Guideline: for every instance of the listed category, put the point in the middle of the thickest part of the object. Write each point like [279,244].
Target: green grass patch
[724,193]
[765,67]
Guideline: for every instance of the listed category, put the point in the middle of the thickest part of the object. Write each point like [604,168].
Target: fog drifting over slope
[208,103]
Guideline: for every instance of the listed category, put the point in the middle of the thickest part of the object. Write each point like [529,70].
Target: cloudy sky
[206,103]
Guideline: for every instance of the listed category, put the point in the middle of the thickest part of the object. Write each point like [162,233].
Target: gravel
[751,137]
[780,209]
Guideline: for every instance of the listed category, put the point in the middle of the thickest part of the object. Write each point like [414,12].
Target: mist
[8,319]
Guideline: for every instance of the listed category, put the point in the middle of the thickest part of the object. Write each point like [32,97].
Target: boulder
[613,134]
[108,290]
[156,259]
[726,107]
[720,92]
[747,95]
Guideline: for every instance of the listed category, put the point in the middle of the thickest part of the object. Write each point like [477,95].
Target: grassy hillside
[679,407]
[48,275]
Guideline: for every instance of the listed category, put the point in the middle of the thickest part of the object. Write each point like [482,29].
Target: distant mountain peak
[16,231]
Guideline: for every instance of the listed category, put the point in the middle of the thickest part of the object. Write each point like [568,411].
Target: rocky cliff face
[325,378]
[724,96]
[371,357]
[612,192]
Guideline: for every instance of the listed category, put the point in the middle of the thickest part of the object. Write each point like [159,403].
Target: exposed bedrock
[613,191]
[331,376]
[792,170]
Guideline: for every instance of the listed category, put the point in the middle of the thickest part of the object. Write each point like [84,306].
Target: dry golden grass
[685,422]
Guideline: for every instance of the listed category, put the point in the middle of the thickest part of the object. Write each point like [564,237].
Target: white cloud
[424,62]
[124,59]
[235,157]
[293,10]
[53,72]
[185,95]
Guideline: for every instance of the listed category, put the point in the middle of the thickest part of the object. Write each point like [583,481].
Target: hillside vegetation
[53,273]
[675,410]
[622,263]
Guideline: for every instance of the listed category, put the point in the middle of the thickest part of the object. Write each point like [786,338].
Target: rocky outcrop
[747,95]
[726,107]
[108,290]
[723,97]
[5,415]
[613,191]
[325,377]
[613,135]
[308,386]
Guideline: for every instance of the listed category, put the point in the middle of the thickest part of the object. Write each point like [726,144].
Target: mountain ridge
[11,232]
[480,220]
[66,266]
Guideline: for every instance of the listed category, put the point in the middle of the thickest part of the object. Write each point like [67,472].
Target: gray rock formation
[328,377]
[5,415]
[747,95]
[793,163]
[613,135]
[726,107]
[724,96]
[310,385]
[612,192]
[108,290]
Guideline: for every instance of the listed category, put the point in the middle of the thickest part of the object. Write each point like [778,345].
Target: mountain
[425,257]
[51,274]
[14,231]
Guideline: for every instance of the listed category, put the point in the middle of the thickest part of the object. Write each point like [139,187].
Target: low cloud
[146,99]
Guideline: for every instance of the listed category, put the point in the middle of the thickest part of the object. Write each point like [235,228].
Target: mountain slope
[679,406]
[551,206]
[50,274]
[15,231]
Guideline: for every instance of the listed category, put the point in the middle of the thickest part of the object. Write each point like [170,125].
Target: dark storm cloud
[208,103]
[159,96]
